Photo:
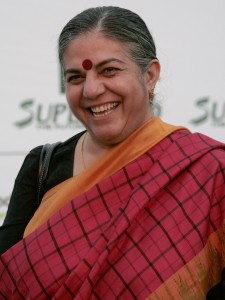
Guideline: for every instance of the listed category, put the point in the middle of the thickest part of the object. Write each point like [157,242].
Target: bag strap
[44,161]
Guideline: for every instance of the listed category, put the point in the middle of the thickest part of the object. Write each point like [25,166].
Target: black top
[23,201]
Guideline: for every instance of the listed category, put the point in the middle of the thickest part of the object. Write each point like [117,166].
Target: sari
[153,229]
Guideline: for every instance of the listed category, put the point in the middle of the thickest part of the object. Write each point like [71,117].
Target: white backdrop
[190,38]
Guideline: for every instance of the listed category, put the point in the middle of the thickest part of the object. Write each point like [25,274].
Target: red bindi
[87,64]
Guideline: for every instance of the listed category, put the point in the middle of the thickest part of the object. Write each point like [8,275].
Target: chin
[111,140]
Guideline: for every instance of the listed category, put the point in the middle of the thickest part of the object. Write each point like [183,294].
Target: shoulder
[207,155]
[186,150]
[35,152]
[199,158]
[196,142]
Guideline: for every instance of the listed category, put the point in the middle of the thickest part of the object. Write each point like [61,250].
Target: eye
[74,79]
[110,71]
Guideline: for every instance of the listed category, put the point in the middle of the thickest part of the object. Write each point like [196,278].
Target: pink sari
[154,229]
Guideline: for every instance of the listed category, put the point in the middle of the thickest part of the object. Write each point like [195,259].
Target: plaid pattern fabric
[131,233]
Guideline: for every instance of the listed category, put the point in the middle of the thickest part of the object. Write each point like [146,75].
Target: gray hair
[115,23]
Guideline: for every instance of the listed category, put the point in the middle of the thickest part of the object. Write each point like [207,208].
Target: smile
[103,110]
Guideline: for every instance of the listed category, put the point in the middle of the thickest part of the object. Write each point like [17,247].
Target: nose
[93,86]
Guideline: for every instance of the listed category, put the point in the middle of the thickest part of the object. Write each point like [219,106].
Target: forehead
[95,47]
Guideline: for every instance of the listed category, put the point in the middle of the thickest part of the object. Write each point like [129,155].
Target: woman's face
[111,98]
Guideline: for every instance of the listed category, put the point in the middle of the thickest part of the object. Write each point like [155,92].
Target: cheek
[73,95]
[138,93]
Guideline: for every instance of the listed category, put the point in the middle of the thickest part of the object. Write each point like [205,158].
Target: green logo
[211,111]
[47,116]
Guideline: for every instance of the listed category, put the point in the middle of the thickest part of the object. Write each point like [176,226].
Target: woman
[134,207]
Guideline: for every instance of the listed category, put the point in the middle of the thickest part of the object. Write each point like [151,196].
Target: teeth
[103,108]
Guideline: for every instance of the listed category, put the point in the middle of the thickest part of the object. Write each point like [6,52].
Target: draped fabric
[140,141]
[152,230]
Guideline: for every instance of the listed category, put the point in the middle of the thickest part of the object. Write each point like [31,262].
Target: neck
[92,151]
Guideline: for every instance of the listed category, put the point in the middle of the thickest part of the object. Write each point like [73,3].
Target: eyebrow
[98,65]
[72,71]
[106,61]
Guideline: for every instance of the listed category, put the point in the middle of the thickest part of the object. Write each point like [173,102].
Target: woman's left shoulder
[200,141]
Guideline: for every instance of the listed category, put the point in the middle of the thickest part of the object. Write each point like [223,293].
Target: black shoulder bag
[44,161]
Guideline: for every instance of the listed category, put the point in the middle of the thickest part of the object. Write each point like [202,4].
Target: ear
[152,74]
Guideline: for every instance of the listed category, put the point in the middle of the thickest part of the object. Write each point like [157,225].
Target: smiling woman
[133,207]
[104,89]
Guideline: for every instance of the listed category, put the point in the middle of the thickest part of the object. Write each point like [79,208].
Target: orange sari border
[194,280]
[144,138]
